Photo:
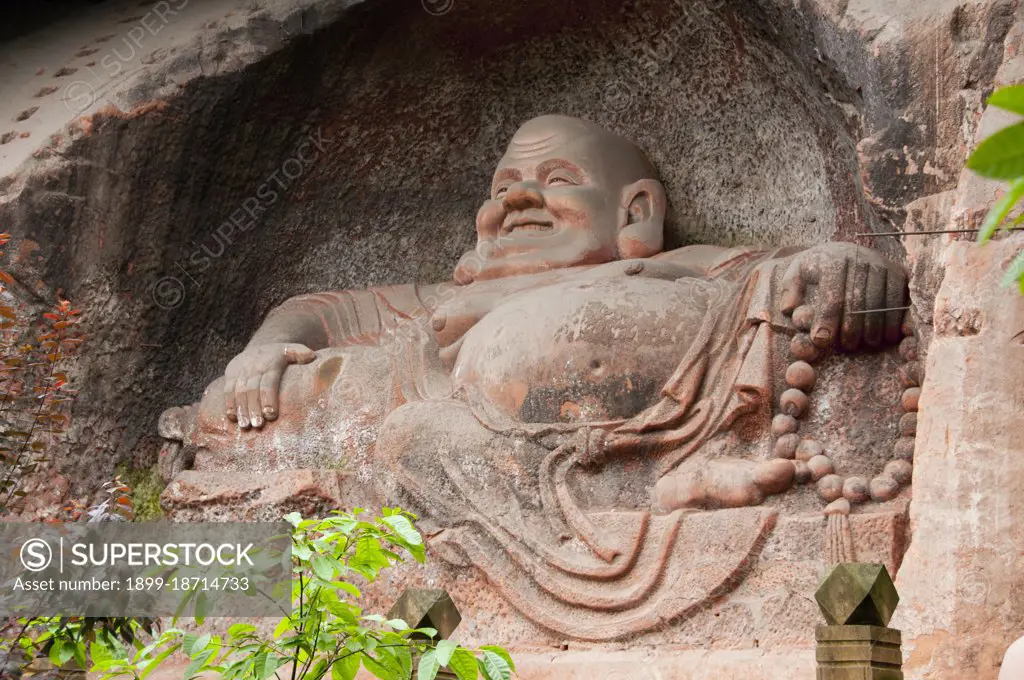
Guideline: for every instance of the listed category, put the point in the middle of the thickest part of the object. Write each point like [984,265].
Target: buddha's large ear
[642,219]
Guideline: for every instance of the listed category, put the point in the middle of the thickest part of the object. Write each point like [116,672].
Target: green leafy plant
[327,633]
[61,640]
[1001,156]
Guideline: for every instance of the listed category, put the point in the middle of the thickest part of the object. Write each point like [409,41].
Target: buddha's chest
[589,351]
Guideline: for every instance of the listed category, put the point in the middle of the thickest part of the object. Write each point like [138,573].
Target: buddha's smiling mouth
[526,223]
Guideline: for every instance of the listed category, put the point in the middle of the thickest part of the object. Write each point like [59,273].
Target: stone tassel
[838,533]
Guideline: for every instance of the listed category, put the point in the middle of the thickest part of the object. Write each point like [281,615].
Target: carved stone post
[858,601]
[428,608]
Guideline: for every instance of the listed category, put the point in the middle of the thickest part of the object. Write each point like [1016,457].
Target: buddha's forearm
[292,322]
[342,318]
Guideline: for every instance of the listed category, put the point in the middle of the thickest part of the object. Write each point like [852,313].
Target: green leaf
[404,528]
[1000,156]
[997,214]
[1015,272]
[500,651]
[197,664]
[445,649]
[61,652]
[403,655]
[379,667]
[428,666]
[346,667]
[319,669]
[200,645]
[159,659]
[240,629]
[264,665]
[1010,98]
[78,652]
[293,518]
[495,667]
[463,664]
[323,568]
[284,625]
[302,552]
[369,558]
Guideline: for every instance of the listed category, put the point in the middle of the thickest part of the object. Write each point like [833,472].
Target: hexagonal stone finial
[857,594]
[427,608]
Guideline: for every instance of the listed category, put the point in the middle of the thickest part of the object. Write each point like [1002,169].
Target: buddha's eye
[500,191]
[561,178]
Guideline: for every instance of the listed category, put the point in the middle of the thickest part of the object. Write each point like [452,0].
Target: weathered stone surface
[783,93]
[961,579]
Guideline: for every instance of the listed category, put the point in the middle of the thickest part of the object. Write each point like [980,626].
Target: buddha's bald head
[617,158]
[567,192]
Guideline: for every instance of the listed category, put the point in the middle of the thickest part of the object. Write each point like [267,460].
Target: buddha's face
[554,202]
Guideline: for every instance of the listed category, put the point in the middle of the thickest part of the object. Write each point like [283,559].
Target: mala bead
[883,488]
[803,317]
[855,489]
[803,472]
[908,425]
[807,449]
[783,424]
[803,349]
[785,446]
[903,449]
[820,466]
[911,398]
[899,470]
[800,375]
[908,349]
[774,476]
[910,374]
[830,487]
[793,402]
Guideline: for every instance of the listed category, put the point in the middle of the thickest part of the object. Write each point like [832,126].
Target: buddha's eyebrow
[554,164]
[507,173]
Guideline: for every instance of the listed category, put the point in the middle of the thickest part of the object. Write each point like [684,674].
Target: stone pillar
[858,600]
[428,608]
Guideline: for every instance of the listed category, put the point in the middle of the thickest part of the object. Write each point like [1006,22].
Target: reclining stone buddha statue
[599,425]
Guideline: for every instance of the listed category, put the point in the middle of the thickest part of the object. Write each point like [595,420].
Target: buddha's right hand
[253,379]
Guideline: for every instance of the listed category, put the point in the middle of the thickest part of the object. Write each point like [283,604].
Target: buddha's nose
[523,196]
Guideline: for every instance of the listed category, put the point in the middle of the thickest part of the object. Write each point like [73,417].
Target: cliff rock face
[178,168]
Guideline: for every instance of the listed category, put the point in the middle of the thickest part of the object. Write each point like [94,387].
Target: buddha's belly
[588,351]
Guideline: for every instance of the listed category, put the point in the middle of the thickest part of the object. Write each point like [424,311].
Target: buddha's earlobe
[642,219]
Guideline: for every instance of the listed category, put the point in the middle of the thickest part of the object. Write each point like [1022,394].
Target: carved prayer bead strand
[793,403]
[900,471]
[810,460]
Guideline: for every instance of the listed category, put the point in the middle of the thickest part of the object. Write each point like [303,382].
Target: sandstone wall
[771,124]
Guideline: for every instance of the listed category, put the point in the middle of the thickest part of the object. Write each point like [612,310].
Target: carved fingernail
[257,420]
[269,412]
[823,335]
[438,322]
[634,268]
[243,420]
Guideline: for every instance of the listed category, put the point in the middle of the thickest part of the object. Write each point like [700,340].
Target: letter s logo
[36,554]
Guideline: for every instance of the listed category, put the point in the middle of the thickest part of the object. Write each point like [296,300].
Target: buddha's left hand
[829,289]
